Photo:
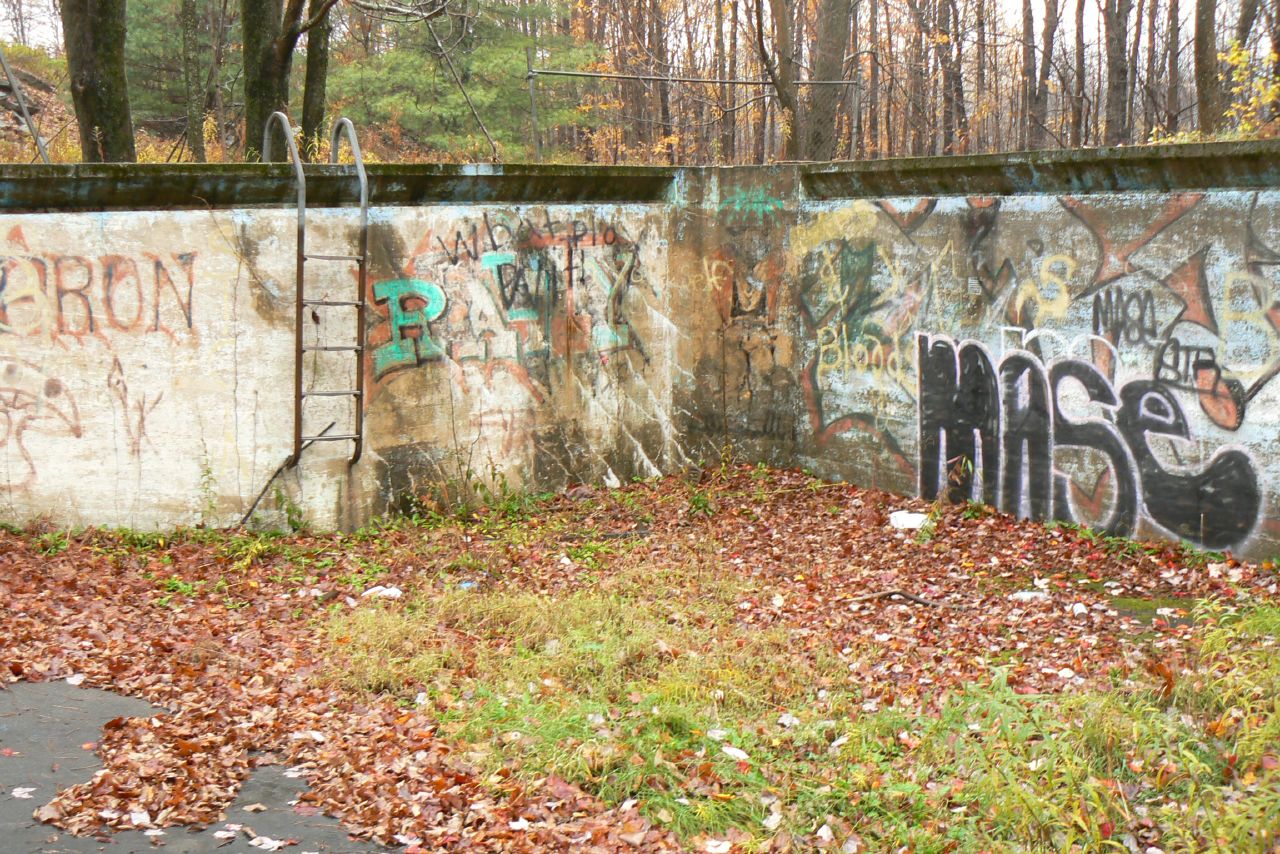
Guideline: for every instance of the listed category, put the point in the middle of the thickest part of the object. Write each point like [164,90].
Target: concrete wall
[147,357]
[1087,336]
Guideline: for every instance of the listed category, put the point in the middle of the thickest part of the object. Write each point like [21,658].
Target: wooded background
[823,79]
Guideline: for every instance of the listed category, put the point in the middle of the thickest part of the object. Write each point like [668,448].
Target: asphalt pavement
[44,728]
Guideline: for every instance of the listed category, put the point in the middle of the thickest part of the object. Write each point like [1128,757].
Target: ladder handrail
[341,127]
[301,179]
[344,126]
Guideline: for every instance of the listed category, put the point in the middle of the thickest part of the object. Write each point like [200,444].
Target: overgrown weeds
[656,694]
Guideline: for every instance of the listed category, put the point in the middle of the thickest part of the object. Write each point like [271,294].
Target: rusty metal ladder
[301,394]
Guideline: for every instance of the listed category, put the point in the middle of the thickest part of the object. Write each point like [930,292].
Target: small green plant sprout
[700,504]
[959,478]
[53,542]
[930,527]
[588,553]
[174,587]
[293,513]
[208,492]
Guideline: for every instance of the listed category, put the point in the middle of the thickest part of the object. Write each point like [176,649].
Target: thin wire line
[546,72]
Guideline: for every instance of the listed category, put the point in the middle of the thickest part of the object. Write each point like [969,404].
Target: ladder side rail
[300,179]
[344,127]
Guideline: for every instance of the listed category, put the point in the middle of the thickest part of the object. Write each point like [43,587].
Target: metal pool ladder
[301,392]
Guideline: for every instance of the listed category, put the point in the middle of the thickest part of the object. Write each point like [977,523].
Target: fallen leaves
[232,663]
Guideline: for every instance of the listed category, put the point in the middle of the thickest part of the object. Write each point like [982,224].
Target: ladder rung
[308,348]
[335,257]
[331,437]
[343,393]
[349,302]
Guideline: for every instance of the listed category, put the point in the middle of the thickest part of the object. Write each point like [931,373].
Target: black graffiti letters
[1130,318]
[1100,435]
[1012,424]
[959,408]
[1028,435]
[1216,507]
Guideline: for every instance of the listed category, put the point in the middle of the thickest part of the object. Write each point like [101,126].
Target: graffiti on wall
[863,279]
[75,298]
[135,408]
[31,401]
[742,272]
[1153,295]
[1094,359]
[411,306]
[536,325]
[990,431]
[500,287]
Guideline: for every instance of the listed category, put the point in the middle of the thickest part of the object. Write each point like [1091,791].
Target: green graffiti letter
[403,350]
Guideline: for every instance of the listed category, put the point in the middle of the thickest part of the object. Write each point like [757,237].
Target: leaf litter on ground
[233,633]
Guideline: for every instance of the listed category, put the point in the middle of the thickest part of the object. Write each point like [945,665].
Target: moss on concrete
[1097,170]
[1244,165]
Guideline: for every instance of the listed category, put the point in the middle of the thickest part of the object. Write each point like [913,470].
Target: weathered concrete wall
[1101,358]
[141,382]
[1092,338]
[147,358]
[548,353]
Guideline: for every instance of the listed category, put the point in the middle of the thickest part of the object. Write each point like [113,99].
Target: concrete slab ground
[44,726]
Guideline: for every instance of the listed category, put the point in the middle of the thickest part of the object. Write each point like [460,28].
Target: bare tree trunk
[313,92]
[663,89]
[266,69]
[1208,92]
[722,90]
[1133,67]
[873,85]
[1115,20]
[1100,74]
[699,139]
[1244,24]
[913,130]
[193,88]
[1040,97]
[1027,91]
[956,59]
[1078,98]
[835,19]
[271,31]
[18,18]
[731,127]
[95,35]
[942,42]
[857,145]
[762,131]
[782,71]
[1149,85]
[1172,105]
[779,66]
[981,93]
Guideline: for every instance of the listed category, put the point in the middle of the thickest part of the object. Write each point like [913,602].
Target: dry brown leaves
[238,686]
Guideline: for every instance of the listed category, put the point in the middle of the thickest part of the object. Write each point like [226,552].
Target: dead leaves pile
[235,670]
[237,687]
